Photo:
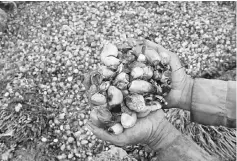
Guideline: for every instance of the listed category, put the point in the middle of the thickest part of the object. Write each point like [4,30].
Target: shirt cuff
[231,104]
[209,102]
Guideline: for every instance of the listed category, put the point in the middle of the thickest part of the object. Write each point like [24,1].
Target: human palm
[180,80]
[154,126]
[142,132]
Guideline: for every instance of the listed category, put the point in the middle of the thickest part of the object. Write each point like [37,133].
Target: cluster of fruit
[131,83]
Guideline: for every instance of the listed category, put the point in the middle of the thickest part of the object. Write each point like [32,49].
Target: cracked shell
[101,117]
[111,62]
[109,50]
[98,99]
[136,103]
[115,96]
[122,80]
[104,86]
[96,78]
[106,72]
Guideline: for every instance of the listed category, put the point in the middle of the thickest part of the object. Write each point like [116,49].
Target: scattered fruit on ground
[47,47]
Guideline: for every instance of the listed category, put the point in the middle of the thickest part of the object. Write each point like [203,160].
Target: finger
[164,54]
[102,134]
[158,48]
[99,132]
[133,42]
[140,132]
[177,70]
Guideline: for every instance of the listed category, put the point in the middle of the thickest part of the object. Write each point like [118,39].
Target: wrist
[163,135]
[185,101]
[183,148]
[181,96]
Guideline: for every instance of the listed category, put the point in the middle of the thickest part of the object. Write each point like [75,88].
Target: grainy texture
[50,45]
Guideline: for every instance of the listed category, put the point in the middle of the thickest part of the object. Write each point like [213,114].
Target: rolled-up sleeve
[214,102]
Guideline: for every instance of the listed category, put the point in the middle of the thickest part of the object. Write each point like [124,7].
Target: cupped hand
[142,132]
[181,86]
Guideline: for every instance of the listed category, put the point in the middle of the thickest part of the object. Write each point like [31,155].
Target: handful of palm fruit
[131,83]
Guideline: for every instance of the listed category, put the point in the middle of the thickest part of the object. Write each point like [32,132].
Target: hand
[153,130]
[180,94]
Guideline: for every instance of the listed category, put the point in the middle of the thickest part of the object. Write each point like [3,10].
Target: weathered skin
[171,145]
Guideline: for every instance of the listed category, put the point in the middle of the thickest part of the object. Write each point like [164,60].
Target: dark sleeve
[214,102]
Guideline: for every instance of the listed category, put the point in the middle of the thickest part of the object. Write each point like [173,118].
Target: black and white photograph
[118,80]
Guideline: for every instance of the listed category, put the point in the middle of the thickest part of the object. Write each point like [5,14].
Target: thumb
[99,132]
[158,48]
[119,140]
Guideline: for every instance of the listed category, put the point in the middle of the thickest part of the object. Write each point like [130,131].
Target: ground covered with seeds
[46,47]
